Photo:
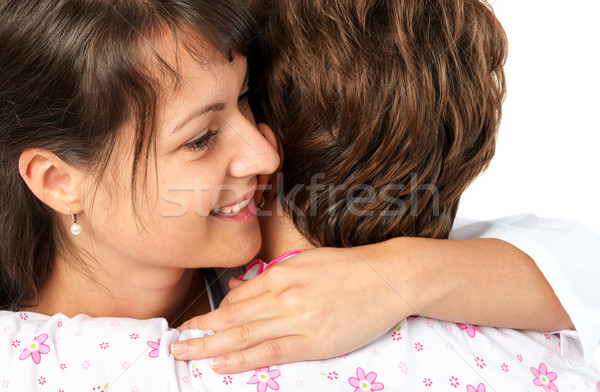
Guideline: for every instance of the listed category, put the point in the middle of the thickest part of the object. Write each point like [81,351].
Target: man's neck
[124,291]
[279,233]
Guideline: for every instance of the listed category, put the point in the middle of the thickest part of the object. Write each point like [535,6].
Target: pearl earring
[75,228]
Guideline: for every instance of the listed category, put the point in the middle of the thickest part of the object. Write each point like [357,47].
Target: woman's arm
[278,316]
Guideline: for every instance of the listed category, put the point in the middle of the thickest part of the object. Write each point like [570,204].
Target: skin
[301,309]
[176,229]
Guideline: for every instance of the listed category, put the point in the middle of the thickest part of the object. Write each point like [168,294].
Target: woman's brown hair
[386,111]
[72,72]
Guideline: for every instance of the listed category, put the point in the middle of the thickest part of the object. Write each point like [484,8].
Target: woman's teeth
[234,209]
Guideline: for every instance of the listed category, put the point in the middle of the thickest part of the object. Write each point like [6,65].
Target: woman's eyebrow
[215,107]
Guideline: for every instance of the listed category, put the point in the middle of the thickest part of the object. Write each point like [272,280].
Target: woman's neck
[124,291]
[279,233]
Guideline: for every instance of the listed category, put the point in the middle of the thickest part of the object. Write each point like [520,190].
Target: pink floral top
[64,354]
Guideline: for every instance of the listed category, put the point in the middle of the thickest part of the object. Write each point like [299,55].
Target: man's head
[386,110]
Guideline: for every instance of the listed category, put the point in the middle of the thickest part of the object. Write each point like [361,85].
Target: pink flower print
[375,353]
[154,346]
[543,378]
[265,377]
[449,327]
[103,346]
[125,365]
[331,375]
[115,324]
[598,386]
[397,335]
[454,382]
[429,324]
[134,336]
[427,382]
[85,365]
[24,316]
[63,366]
[197,373]
[519,357]
[78,333]
[42,380]
[449,346]
[135,389]
[227,380]
[547,336]
[185,379]
[504,367]
[365,383]
[480,388]
[35,349]
[403,368]
[5,383]
[470,329]
[59,324]
[418,346]
[480,362]
[16,343]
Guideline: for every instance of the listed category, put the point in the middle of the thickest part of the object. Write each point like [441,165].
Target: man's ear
[51,180]
[271,138]
[263,180]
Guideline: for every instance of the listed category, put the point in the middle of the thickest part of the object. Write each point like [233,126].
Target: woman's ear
[51,180]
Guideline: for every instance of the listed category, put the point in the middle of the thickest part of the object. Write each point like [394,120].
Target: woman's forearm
[477,281]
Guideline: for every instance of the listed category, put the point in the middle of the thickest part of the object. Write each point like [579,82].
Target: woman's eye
[203,141]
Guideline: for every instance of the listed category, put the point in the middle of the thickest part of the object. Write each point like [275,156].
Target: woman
[91,182]
[100,135]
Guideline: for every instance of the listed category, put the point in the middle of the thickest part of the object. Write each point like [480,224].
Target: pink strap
[262,266]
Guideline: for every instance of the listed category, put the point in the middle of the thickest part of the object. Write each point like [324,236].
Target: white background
[548,154]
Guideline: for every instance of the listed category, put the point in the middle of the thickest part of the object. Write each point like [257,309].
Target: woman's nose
[255,155]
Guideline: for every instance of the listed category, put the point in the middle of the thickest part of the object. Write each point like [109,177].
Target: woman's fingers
[233,314]
[232,340]
[242,290]
[234,282]
[278,351]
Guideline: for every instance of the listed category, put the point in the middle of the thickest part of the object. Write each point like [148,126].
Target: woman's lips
[240,211]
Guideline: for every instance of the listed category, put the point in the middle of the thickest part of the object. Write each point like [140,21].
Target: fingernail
[179,348]
[217,363]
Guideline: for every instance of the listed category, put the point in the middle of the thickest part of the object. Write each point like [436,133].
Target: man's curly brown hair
[394,103]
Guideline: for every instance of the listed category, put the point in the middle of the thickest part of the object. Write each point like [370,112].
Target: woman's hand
[326,302]
[316,305]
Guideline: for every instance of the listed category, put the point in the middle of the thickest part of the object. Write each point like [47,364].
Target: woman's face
[197,206]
